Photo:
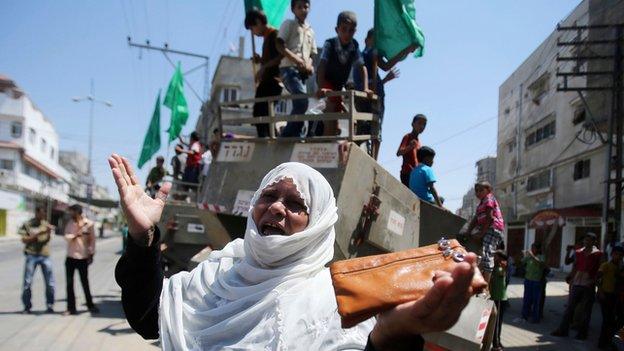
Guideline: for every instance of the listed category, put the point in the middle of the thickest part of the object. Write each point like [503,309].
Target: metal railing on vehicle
[351,114]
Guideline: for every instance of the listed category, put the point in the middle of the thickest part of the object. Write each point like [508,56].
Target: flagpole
[253,55]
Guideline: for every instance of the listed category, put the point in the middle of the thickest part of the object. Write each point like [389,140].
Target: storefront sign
[321,155]
[236,152]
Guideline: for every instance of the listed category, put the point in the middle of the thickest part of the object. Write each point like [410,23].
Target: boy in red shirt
[409,145]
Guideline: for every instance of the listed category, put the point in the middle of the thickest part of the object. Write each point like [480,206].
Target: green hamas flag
[273,9]
[177,103]
[396,28]
[151,143]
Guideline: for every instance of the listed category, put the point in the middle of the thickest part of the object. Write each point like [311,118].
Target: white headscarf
[264,292]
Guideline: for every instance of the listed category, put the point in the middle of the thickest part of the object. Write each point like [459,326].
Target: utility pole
[615,129]
[166,50]
[91,98]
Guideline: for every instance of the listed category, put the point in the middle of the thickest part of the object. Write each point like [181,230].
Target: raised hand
[437,311]
[141,211]
[394,73]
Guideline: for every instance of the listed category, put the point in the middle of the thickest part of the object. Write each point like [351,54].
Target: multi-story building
[233,80]
[550,162]
[30,173]
[77,164]
[486,171]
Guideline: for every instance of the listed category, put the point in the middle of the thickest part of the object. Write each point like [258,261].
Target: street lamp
[91,98]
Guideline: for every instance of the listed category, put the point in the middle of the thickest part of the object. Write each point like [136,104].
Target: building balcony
[32,186]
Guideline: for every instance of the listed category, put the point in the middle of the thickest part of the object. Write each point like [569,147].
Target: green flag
[396,28]
[273,9]
[177,103]
[151,143]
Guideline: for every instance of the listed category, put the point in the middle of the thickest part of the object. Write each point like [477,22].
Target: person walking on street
[35,234]
[582,287]
[80,236]
[409,146]
[609,275]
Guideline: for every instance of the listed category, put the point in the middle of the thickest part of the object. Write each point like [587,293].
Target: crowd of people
[593,274]
[36,234]
[190,163]
[287,62]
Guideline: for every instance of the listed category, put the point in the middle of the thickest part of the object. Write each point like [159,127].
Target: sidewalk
[527,336]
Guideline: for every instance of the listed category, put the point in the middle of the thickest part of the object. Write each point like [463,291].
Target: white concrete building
[486,171]
[29,168]
[549,167]
[77,165]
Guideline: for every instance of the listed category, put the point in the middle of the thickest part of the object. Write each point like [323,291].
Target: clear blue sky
[52,49]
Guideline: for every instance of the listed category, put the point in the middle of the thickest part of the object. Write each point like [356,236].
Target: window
[539,88]
[511,145]
[579,115]
[16,129]
[7,164]
[538,181]
[32,136]
[229,94]
[44,145]
[581,169]
[52,152]
[539,134]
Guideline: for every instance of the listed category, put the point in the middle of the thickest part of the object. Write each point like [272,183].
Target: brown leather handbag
[366,286]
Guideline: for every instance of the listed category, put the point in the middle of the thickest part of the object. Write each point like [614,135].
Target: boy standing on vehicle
[295,41]
[268,74]
[340,54]
[422,178]
[409,146]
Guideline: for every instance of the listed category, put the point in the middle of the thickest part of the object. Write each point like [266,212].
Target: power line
[225,10]
[147,26]
[125,16]
[464,130]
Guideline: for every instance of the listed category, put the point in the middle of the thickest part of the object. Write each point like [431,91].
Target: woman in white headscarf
[270,291]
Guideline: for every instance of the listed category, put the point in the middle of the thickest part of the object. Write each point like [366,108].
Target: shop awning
[103,203]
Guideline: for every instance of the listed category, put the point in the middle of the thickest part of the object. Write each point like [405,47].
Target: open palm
[141,211]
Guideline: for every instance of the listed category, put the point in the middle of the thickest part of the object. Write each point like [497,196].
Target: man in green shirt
[35,235]
[534,261]
[156,174]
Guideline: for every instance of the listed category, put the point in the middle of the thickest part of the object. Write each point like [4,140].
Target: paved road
[38,331]
[109,330]
[521,336]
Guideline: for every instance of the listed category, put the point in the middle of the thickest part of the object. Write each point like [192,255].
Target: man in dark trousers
[268,73]
[582,287]
[80,236]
